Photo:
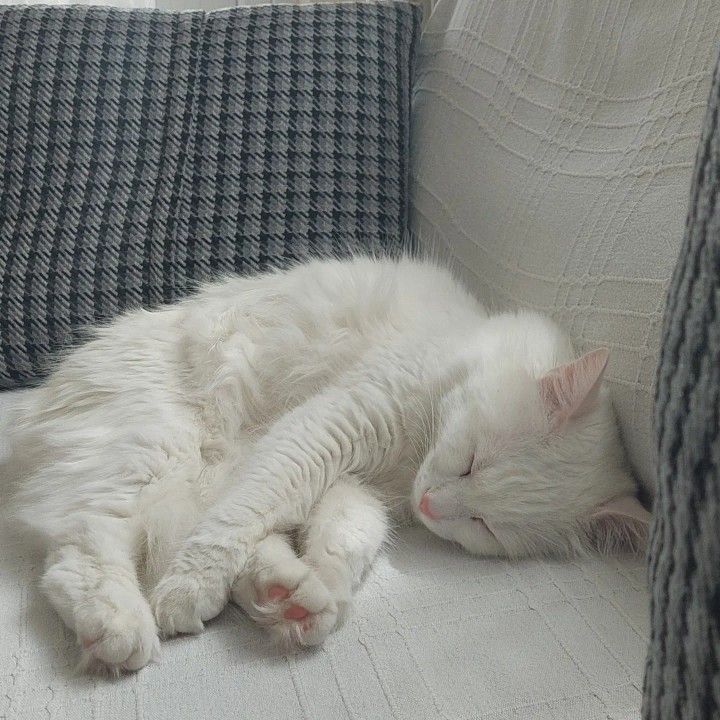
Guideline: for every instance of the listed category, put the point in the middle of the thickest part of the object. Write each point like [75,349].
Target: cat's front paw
[182,602]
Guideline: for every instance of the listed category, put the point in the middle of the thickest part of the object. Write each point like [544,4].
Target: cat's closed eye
[469,470]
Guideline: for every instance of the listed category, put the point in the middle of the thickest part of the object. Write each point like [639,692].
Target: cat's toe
[262,589]
[307,616]
[311,630]
[182,603]
[113,641]
[277,592]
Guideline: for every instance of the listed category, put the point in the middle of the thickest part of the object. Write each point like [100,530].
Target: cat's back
[292,331]
[312,321]
[324,297]
[363,292]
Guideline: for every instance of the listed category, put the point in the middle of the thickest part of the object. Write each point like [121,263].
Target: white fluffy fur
[256,435]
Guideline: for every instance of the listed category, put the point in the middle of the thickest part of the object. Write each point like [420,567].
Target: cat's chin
[472,534]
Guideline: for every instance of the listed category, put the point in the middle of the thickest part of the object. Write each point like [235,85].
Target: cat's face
[524,466]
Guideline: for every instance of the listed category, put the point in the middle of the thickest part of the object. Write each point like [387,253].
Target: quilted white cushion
[552,152]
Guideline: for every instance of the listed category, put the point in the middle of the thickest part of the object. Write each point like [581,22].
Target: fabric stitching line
[639,196]
[535,177]
[550,280]
[569,655]
[381,684]
[637,172]
[588,228]
[563,113]
[290,661]
[600,595]
[672,44]
[554,704]
[348,712]
[512,75]
[569,86]
[588,113]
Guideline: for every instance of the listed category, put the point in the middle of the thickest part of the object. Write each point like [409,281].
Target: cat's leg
[285,594]
[302,600]
[291,468]
[90,579]
[344,533]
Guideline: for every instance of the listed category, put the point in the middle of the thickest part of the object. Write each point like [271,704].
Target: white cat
[251,441]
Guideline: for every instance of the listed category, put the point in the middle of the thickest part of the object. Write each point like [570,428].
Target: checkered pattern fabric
[143,151]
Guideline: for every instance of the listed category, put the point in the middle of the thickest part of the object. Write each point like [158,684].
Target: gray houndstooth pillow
[143,151]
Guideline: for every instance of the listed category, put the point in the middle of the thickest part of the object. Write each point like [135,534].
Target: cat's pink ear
[571,390]
[619,525]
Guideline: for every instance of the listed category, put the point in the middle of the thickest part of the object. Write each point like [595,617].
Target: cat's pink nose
[425,507]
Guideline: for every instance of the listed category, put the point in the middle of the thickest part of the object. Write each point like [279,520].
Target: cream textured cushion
[553,148]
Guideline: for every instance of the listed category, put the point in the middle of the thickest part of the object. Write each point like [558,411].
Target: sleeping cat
[252,442]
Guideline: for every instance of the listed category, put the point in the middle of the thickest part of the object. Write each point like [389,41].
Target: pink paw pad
[295,612]
[278,592]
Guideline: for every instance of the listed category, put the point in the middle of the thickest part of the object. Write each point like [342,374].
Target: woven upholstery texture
[682,680]
[143,151]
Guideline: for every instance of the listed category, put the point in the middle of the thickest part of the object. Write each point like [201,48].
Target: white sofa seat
[435,634]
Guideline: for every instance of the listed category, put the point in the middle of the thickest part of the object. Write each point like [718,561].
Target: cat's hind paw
[116,640]
[291,601]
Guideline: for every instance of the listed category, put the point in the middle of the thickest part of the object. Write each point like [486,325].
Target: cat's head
[525,465]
